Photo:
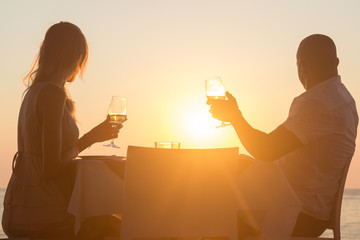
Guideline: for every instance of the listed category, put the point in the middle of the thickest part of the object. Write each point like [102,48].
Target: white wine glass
[215,90]
[118,114]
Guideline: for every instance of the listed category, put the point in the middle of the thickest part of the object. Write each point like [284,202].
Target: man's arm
[262,146]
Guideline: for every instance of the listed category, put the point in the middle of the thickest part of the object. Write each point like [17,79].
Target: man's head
[316,60]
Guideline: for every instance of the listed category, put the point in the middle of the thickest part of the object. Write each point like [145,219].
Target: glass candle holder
[168,145]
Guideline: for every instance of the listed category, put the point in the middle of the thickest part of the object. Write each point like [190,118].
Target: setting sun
[201,124]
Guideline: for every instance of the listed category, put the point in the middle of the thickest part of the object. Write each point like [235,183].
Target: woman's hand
[224,110]
[102,132]
[105,131]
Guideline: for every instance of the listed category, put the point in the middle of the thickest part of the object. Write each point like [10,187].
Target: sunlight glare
[201,124]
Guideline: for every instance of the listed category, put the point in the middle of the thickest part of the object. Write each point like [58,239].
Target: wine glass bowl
[215,90]
[118,114]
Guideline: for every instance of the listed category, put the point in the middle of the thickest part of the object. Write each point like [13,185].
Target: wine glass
[215,90]
[117,112]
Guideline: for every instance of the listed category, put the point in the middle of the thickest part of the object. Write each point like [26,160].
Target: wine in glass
[117,112]
[215,90]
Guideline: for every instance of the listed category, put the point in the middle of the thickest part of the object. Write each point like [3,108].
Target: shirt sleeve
[309,120]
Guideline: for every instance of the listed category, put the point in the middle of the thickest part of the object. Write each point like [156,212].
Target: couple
[312,145]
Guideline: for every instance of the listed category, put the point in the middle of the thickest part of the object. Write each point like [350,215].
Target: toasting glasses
[215,90]
[117,112]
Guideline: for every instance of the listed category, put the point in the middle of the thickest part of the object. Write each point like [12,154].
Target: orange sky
[158,54]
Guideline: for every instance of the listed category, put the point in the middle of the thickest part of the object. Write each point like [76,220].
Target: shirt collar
[324,84]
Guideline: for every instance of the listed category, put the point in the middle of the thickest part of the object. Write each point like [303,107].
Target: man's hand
[224,110]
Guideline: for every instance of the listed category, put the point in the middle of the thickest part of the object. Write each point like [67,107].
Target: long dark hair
[64,50]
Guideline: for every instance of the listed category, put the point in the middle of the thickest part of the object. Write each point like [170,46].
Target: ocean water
[2,193]
[350,215]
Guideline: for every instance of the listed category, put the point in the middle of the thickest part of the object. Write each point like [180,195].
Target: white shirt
[325,119]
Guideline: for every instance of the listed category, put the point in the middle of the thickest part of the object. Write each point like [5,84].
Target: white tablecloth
[98,189]
[268,202]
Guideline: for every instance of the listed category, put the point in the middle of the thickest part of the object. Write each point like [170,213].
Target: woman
[36,200]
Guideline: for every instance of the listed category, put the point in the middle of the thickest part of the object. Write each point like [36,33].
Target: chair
[180,193]
[334,223]
[200,193]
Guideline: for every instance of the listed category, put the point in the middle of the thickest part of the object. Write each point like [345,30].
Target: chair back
[179,193]
[336,214]
[335,218]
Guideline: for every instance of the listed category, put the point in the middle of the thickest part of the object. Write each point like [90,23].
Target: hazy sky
[157,54]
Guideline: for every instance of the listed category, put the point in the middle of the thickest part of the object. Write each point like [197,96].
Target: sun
[201,124]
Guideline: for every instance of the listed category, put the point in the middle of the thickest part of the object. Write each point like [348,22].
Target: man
[315,142]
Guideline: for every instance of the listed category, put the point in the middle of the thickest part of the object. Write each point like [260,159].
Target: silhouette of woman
[39,190]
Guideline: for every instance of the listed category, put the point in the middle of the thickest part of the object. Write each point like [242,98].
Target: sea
[350,215]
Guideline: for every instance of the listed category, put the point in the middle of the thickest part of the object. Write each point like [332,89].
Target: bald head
[317,59]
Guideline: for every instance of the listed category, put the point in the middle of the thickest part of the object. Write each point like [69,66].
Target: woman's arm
[262,146]
[50,110]
[102,132]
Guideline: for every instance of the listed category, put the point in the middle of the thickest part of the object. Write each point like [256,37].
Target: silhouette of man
[317,139]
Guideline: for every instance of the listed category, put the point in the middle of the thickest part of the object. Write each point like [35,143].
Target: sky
[158,53]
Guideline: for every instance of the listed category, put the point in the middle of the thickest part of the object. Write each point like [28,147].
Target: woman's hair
[63,51]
